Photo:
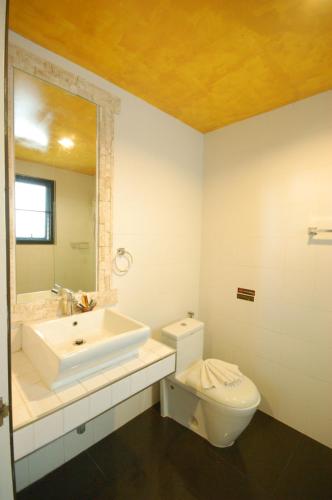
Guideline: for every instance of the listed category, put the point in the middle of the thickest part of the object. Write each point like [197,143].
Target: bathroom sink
[66,349]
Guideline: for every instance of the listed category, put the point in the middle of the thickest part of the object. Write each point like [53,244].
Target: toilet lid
[242,394]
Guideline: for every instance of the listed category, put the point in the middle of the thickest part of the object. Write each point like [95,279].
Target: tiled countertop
[32,399]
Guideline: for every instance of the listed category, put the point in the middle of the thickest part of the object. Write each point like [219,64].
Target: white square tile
[16,393]
[167,366]
[93,382]
[138,380]
[100,401]
[23,441]
[153,345]
[115,373]
[161,350]
[120,390]
[127,410]
[20,409]
[22,474]
[150,396]
[161,369]
[148,357]
[134,365]
[103,425]
[71,392]
[75,443]
[20,363]
[149,345]
[75,414]
[16,339]
[28,377]
[39,398]
[21,416]
[46,459]
[49,428]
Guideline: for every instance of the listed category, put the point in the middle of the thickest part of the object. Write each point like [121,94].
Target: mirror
[60,164]
[55,134]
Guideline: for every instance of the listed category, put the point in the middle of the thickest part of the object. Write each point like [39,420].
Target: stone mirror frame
[107,107]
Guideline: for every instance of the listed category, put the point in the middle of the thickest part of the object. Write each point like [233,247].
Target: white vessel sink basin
[66,349]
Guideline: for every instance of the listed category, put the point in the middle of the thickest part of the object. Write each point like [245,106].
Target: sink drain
[79,342]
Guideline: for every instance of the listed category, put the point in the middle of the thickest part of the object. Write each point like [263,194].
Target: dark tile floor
[152,458]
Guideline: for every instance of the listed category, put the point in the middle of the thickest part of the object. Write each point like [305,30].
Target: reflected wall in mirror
[55,134]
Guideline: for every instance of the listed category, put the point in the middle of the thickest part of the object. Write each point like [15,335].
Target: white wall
[265,179]
[38,267]
[156,204]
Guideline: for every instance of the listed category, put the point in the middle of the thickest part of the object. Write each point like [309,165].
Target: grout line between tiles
[95,463]
[228,463]
[284,469]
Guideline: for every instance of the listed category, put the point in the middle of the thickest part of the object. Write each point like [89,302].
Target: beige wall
[266,179]
[38,267]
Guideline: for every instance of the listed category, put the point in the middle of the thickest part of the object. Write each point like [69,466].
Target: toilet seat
[240,395]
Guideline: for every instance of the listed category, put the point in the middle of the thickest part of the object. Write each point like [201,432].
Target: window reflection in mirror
[34,210]
[55,189]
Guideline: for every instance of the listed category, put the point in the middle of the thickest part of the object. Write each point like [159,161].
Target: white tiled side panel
[76,414]
[23,442]
[75,443]
[49,428]
[22,474]
[127,410]
[103,425]
[100,401]
[160,370]
[51,456]
[138,381]
[120,390]
[46,459]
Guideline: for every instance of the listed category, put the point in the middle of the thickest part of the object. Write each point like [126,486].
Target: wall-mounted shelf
[79,245]
[313,231]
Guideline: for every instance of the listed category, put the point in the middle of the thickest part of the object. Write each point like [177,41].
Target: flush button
[183,324]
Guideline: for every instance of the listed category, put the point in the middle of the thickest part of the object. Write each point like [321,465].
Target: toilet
[218,414]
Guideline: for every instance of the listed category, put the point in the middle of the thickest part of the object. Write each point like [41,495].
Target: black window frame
[49,221]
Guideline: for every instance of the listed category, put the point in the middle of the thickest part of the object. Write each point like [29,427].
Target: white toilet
[218,414]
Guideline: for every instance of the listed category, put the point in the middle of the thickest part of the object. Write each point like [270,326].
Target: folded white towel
[214,372]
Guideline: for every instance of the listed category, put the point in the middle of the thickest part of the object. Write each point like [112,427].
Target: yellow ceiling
[45,114]
[207,62]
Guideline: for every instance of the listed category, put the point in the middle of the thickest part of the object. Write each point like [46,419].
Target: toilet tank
[187,337]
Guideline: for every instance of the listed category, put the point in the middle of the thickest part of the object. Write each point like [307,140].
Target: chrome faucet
[68,296]
[70,301]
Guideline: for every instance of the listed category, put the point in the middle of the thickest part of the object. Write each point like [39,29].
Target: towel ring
[122,253]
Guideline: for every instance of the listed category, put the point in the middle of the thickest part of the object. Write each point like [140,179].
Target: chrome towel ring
[122,262]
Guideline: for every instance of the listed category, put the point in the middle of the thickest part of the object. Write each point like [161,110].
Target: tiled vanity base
[41,416]
[51,456]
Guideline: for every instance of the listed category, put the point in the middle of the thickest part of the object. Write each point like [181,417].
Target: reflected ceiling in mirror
[55,137]
[52,126]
